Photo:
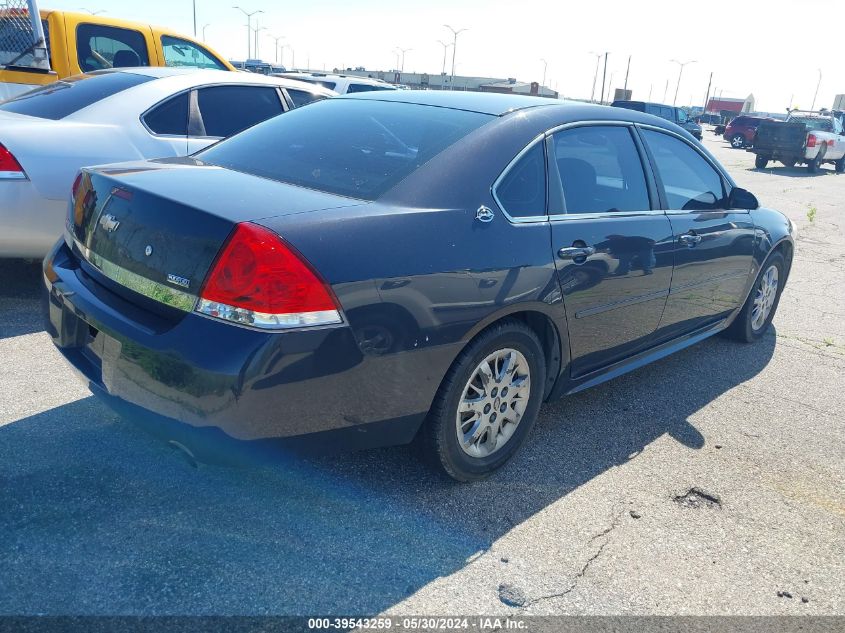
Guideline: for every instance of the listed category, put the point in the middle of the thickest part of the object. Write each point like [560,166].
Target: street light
[445,46]
[402,51]
[195,17]
[545,68]
[680,72]
[257,29]
[596,76]
[203,31]
[276,39]
[813,107]
[454,46]
[97,12]
[248,28]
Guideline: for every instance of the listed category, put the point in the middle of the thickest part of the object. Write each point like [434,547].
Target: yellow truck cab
[79,42]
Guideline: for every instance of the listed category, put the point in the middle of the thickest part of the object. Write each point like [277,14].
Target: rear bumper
[198,378]
[29,224]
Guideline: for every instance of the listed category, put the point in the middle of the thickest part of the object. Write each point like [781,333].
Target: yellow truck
[35,53]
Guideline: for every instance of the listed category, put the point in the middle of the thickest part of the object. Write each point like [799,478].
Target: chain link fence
[21,37]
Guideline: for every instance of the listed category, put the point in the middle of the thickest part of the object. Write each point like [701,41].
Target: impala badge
[179,281]
[109,223]
[484,214]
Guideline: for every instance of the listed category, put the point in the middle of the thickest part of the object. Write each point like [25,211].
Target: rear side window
[356,148]
[600,170]
[170,117]
[100,47]
[300,98]
[63,98]
[690,182]
[522,192]
[179,52]
[227,110]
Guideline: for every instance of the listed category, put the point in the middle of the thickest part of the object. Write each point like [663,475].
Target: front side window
[682,116]
[351,147]
[227,110]
[179,52]
[690,182]
[100,47]
[600,170]
[170,117]
[522,191]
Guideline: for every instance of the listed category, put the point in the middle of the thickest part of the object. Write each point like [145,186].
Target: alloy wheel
[764,297]
[493,403]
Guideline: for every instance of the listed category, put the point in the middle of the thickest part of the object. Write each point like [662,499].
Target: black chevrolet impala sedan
[390,267]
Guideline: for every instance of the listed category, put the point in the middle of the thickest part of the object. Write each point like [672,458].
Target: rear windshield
[63,98]
[814,123]
[349,147]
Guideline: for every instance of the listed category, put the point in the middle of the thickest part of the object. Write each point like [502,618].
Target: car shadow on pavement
[100,518]
[20,307]
[794,172]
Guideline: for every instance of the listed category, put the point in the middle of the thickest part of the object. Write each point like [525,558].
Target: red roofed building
[717,105]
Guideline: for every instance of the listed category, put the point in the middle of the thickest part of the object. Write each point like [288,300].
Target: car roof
[497,104]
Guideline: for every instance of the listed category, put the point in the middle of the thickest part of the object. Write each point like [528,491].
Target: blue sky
[508,39]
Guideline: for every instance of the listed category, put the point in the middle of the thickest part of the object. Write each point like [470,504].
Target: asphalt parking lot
[712,482]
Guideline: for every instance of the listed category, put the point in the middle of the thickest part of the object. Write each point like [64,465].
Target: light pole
[680,72]
[603,77]
[596,76]
[545,68]
[195,17]
[445,46]
[97,12]
[257,29]
[813,107]
[276,40]
[627,70]
[248,28]
[454,47]
[402,51]
[203,31]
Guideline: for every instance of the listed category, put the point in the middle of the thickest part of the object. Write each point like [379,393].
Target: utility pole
[680,72]
[595,77]
[625,87]
[545,68]
[248,29]
[195,18]
[445,46]
[650,88]
[707,94]
[665,91]
[813,107]
[454,47]
[603,77]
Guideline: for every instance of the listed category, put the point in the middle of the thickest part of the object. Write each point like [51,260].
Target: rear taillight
[259,280]
[75,189]
[811,140]
[10,168]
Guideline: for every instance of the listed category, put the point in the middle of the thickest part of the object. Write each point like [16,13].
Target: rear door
[221,111]
[713,245]
[612,244]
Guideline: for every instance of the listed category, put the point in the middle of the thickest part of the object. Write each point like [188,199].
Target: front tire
[737,141]
[762,303]
[487,403]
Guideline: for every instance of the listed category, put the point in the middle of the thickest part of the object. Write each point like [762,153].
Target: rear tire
[479,419]
[762,303]
[760,162]
[737,141]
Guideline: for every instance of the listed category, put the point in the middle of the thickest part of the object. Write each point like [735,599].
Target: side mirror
[740,198]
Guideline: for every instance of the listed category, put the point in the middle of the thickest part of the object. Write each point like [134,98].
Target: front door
[713,244]
[612,247]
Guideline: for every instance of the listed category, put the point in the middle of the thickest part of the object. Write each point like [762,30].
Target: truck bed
[780,138]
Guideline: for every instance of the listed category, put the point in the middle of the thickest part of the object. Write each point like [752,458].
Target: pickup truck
[79,43]
[812,138]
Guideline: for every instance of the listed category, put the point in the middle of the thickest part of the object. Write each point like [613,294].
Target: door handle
[576,252]
[689,239]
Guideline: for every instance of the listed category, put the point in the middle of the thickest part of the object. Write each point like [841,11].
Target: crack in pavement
[614,524]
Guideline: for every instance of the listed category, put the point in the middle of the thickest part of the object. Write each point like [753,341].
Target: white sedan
[48,134]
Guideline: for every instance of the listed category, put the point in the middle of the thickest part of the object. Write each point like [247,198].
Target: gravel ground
[712,482]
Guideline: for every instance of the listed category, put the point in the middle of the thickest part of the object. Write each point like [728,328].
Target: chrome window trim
[568,216]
